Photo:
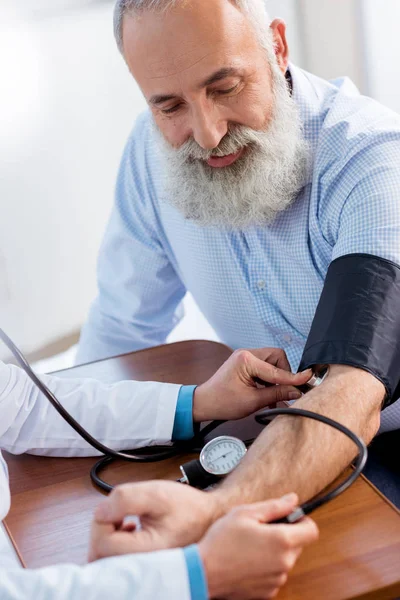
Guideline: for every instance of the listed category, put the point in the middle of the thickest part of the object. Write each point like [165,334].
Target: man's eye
[229,91]
[168,111]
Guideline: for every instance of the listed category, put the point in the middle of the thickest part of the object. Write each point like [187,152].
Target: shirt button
[261,284]
[287,338]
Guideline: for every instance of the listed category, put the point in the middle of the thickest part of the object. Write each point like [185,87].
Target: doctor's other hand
[171,515]
[234,391]
[244,558]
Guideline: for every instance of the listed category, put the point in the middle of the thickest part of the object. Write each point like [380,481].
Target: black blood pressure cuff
[357,321]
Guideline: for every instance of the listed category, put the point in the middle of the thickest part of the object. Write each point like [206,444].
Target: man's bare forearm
[296,454]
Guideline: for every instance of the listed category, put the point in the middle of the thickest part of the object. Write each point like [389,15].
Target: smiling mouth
[217,162]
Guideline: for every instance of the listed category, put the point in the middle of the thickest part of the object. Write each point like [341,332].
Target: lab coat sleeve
[124,415]
[157,575]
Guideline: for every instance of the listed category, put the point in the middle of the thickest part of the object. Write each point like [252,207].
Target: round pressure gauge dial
[222,454]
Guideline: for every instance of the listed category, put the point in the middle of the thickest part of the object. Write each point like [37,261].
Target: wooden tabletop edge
[14,543]
[171,345]
[396,510]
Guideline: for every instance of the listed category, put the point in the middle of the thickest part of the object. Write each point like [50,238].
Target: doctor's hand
[171,515]
[234,391]
[246,559]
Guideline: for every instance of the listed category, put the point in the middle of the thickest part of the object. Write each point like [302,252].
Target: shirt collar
[311,99]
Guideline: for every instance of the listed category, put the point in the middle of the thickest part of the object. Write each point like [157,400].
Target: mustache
[235,139]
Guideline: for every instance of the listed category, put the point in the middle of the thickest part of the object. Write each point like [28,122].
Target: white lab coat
[124,415]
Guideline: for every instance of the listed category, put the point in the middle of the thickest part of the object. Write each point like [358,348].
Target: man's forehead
[165,65]
[187,39]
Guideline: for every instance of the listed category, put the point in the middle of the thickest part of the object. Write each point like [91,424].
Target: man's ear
[281,47]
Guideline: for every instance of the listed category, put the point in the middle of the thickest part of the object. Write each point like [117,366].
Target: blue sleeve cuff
[183,424]
[197,576]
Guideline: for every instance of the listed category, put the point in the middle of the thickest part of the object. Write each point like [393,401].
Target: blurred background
[67,104]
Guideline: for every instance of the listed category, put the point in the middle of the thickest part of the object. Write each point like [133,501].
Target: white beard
[262,183]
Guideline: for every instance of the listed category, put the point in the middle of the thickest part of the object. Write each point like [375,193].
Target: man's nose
[208,127]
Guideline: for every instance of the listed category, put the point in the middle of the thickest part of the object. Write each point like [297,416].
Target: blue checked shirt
[258,287]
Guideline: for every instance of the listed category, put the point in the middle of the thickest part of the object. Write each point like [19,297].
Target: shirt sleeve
[152,576]
[123,415]
[364,200]
[183,424]
[140,293]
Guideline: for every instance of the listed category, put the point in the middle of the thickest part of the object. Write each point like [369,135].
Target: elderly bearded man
[273,196]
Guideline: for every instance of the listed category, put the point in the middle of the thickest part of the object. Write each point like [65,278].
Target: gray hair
[255,10]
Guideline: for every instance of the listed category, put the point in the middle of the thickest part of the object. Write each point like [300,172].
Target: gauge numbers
[222,455]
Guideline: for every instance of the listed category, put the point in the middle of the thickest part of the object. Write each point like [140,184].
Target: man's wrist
[201,399]
[223,501]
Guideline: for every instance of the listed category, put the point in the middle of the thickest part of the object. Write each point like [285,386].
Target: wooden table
[357,556]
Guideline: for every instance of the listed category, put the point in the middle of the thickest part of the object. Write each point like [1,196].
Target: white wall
[381,21]
[332,36]
[67,104]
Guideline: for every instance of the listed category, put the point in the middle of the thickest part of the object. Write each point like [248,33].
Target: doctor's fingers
[273,356]
[272,395]
[105,544]
[97,533]
[264,511]
[296,535]
[257,368]
[132,499]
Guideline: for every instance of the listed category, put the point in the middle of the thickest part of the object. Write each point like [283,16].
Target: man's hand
[245,559]
[234,391]
[171,515]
